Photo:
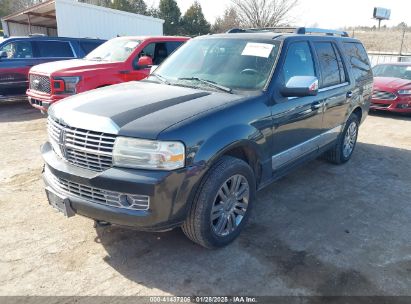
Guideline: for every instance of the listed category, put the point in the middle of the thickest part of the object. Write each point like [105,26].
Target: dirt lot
[323,230]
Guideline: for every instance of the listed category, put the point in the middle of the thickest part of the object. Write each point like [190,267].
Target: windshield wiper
[208,82]
[161,78]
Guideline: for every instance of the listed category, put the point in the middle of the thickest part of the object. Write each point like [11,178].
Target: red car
[392,87]
[118,60]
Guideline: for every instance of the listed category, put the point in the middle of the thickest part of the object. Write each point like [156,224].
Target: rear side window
[88,46]
[299,61]
[359,61]
[331,65]
[54,49]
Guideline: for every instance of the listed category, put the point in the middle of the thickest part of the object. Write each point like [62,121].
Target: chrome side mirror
[300,86]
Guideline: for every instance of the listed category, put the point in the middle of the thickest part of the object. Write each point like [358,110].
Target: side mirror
[300,86]
[3,54]
[144,62]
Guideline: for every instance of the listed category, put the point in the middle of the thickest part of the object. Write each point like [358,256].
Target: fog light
[403,106]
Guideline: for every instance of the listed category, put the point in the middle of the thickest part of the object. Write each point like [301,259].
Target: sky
[322,13]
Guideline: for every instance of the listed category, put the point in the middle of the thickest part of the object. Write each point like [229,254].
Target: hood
[136,109]
[71,66]
[390,83]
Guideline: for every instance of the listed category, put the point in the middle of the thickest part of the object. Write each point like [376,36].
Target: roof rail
[295,30]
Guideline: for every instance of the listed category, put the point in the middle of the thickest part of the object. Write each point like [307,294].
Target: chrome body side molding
[305,148]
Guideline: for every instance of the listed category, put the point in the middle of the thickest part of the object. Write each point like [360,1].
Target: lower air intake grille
[96,195]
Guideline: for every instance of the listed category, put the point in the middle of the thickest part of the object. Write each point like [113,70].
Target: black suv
[221,118]
[19,54]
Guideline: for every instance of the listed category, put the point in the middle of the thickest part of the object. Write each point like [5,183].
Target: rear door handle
[349,94]
[316,105]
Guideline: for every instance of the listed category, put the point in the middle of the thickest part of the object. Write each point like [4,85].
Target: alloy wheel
[350,139]
[230,205]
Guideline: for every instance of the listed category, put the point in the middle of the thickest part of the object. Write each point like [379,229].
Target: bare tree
[264,13]
[227,21]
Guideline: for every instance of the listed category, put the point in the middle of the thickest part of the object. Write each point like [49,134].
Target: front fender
[228,138]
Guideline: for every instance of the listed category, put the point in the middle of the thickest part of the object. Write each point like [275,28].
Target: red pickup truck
[117,60]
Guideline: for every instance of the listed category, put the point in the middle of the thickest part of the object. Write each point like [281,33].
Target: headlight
[404,92]
[66,85]
[148,154]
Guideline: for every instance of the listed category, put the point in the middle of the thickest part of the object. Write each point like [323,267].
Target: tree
[226,22]
[194,22]
[121,5]
[264,13]
[138,7]
[8,7]
[170,12]
[132,6]
[153,12]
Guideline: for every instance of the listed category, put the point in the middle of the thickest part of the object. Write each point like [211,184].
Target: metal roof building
[69,18]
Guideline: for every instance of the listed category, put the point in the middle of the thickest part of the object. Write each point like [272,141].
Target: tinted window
[88,46]
[330,64]
[54,49]
[299,61]
[172,46]
[359,61]
[18,50]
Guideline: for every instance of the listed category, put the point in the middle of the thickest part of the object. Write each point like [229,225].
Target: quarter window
[299,61]
[331,65]
[18,50]
[359,61]
[54,49]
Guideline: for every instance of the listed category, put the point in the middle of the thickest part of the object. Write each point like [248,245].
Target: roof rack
[295,30]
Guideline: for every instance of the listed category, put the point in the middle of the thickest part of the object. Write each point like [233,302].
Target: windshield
[390,70]
[221,63]
[115,50]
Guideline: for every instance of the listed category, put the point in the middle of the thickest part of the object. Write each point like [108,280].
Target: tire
[338,155]
[201,225]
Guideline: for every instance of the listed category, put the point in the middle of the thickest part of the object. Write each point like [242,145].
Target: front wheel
[344,148]
[222,204]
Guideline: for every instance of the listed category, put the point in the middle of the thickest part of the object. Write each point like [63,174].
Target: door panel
[297,122]
[334,85]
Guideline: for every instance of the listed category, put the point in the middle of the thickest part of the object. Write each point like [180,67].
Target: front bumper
[168,193]
[401,104]
[43,101]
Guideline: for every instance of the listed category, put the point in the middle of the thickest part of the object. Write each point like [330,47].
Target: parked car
[19,54]
[221,118]
[118,60]
[392,87]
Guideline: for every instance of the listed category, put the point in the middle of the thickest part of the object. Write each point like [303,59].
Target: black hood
[137,109]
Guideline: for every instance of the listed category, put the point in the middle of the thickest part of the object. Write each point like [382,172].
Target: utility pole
[402,40]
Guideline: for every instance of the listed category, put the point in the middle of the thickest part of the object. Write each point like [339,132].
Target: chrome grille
[96,195]
[40,83]
[87,149]
[383,95]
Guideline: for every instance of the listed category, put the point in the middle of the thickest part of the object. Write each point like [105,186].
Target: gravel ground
[323,230]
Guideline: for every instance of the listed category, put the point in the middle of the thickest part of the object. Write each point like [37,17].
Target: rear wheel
[222,204]
[346,142]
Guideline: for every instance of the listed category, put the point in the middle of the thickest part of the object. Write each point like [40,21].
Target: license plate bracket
[60,203]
